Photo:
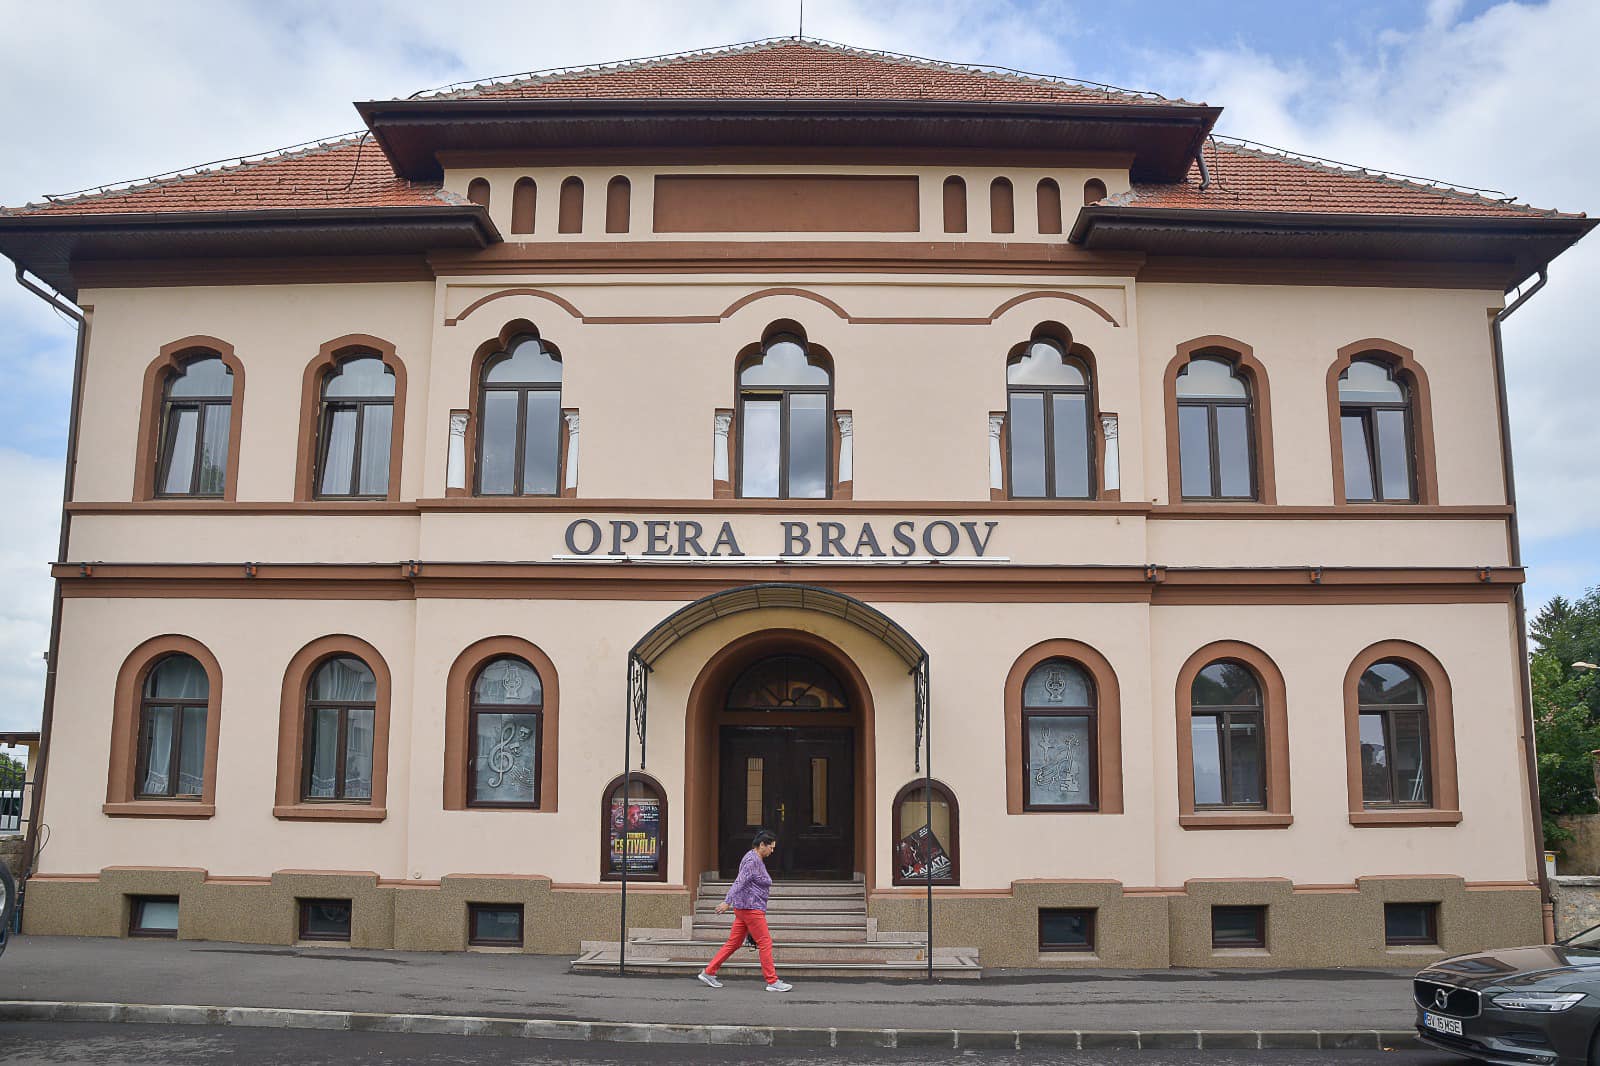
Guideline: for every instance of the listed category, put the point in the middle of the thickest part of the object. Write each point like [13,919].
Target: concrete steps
[819,929]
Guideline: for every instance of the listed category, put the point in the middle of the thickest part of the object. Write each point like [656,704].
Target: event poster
[915,853]
[639,842]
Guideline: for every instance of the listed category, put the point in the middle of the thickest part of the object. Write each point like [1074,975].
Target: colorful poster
[638,843]
[915,853]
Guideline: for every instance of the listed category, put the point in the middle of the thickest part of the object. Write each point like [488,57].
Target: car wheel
[8,904]
[1594,1048]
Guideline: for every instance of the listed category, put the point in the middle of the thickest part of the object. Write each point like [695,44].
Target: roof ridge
[465,90]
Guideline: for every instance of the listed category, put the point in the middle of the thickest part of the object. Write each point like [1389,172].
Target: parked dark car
[1516,1005]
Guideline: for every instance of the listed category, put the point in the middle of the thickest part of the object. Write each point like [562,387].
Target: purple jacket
[749,890]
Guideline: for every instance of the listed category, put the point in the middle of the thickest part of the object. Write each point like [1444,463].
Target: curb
[734,1035]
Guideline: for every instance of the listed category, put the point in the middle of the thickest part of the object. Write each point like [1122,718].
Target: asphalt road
[46,1044]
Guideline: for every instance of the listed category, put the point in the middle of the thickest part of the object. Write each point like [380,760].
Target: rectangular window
[497,443]
[1358,478]
[182,425]
[1238,927]
[505,768]
[819,792]
[754,772]
[497,925]
[325,919]
[1070,426]
[1394,451]
[1066,929]
[1410,923]
[808,446]
[1059,761]
[214,450]
[377,421]
[541,450]
[1025,425]
[1394,758]
[759,434]
[339,443]
[1194,451]
[1233,453]
[153,916]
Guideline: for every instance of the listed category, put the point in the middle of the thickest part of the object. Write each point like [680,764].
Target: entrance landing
[819,929]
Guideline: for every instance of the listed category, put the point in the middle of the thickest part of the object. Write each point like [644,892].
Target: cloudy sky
[1498,95]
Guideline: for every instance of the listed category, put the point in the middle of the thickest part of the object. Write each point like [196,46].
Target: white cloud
[28,529]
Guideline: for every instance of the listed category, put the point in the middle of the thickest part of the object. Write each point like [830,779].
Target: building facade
[741,404]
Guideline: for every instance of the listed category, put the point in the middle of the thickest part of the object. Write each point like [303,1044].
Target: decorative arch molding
[1108,745]
[1446,809]
[1058,332]
[122,772]
[663,855]
[328,357]
[457,700]
[1275,725]
[760,294]
[483,353]
[1244,359]
[1399,358]
[952,845]
[703,710]
[147,448]
[289,804]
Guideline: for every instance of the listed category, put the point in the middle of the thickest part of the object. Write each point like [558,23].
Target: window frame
[1225,715]
[1258,385]
[327,407]
[1429,939]
[1386,713]
[764,393]
[1091,927]
[482,389]
[136,929]
[1048,394]
[1257,910]
[308,734]
[171,407]
[638,778]
[1211,405]
[476,709]
[473,940]
[1367,413]
[952,847]
[303,907]
[1443,784]
[146,702]
[1403,368]
[459,744]
[289,803]
[1091,714]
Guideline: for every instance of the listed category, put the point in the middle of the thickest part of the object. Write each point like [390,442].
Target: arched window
[519,420]
[1002,209]
[341,712]
[196,425]
[569,217]
[1049,198]
[927,833]
[1059,737]
[786,683]
[478,191]
[355,427]
[619,196]
[1094,190]
[1048,418]
[172,730]
[524,198]
[785,410]
[1394,736]
[1376,427]
[634,834]
[504,729]
[1216,449]
[1227,734]
[955,205]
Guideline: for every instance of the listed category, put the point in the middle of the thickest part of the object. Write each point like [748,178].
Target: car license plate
[1448,1026]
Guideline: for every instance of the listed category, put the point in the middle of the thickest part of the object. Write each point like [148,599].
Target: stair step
[787,951]
[959,967]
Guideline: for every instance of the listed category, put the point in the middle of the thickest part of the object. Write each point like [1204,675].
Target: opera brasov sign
[866,540]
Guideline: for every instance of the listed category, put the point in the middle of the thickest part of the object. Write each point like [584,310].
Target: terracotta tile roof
[323,176]
[1249,179]
[789,68]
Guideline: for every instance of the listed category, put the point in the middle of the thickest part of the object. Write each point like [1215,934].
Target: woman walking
[747,896]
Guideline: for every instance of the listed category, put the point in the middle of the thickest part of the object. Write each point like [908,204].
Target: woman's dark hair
[765,836]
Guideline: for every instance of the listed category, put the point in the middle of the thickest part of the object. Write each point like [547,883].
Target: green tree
[1566,708]
[9,766]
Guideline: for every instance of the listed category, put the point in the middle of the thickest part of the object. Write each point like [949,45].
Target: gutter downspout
[62,304]
[1519,604]
[1205,175]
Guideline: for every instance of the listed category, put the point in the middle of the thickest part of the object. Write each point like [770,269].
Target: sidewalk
[1345,1005]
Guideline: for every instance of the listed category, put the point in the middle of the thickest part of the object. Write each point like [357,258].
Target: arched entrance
[779,735]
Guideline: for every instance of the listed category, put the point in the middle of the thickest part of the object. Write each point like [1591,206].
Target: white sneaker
[779,986]
[707,979]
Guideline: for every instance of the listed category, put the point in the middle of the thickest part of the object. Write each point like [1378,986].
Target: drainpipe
[1205,175]
[1520,609]
[65,306]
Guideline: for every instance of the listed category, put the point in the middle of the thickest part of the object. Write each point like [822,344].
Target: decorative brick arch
[147,448]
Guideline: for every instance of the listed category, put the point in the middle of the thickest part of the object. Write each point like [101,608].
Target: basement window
[153,916]
[325,919]
[1066,929]
[494,925]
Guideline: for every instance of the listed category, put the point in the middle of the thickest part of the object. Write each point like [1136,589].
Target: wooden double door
[799,782]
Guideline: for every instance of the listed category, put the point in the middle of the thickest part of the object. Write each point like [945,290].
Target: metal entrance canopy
[772,595]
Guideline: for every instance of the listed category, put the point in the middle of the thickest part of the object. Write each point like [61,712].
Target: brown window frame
[1443,783]
[638,778]
[302,908]
[473,940]
[136,905]
[1387,712]
[146,701]
[1091,929]
[1226,715]
[522,389]
[765,393]
[1430,938]
[1090,713]
[1367,413]
[952,846]
[1258,910]
[1049,392]
[326,408]
[1211,407]
[475,709]
[202,405]
[308,734]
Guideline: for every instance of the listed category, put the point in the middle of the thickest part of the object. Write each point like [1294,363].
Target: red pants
[755,924]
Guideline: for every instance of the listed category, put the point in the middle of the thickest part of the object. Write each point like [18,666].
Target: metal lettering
[978,546]
[572,541]
[950,548]
[796,541]
[618,540]
[833,539]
